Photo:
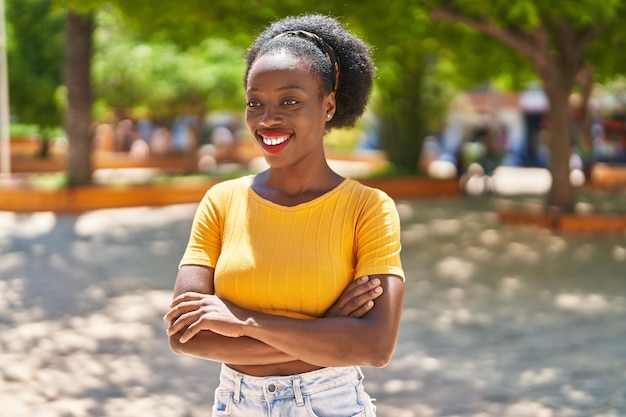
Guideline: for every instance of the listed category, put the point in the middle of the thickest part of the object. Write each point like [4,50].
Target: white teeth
[274,141]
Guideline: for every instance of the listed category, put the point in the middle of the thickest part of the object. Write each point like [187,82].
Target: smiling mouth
[274,140]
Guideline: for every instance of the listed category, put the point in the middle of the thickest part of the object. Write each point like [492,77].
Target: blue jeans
[328,392]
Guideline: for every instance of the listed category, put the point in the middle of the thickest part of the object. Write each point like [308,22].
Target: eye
[253,103]
[290,102]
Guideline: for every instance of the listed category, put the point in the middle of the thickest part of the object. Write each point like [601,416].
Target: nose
[270,116]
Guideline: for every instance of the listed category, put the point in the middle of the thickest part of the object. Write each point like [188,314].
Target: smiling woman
[292,277]
[286,109]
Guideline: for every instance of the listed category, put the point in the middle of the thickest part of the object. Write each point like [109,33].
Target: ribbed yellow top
[293,261]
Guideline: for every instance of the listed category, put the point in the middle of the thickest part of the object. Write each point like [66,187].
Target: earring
[329,116]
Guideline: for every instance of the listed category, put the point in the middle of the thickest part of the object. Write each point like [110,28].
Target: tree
[410,98]
[395,28]
[405,68]
[556,40]
[160,77]
[35,57]
[78,115]
[79,29]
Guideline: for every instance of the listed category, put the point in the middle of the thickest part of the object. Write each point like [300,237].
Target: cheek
[249,119]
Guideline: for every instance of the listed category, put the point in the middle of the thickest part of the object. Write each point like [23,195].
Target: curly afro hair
[356,69]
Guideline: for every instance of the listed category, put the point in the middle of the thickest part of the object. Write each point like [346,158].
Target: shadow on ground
[498,321]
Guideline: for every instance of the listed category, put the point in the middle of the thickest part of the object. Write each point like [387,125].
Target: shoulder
[228,188]
[222,194]
[366,194]
[371,203]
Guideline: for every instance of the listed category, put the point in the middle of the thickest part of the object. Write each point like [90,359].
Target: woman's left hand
[357,299]
[197,312]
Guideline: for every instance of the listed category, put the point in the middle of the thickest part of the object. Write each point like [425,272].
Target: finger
[366,306]
[354,296]
[364,299]
[354,289]
[373,283]
[179,310]
[357,296]
[187,296]
[193,329]
[182,322]
[357,283]
[361,280]
[365,286]
[363,310]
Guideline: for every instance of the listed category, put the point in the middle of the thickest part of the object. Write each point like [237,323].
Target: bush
[19,130]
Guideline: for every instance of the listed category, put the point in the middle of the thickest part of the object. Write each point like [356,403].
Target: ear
[330,106]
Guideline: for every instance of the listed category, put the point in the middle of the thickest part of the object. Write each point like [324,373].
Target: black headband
[328,50]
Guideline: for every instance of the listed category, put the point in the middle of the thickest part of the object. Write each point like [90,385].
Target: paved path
[498,321]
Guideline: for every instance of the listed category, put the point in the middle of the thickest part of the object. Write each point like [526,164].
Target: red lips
[274,141]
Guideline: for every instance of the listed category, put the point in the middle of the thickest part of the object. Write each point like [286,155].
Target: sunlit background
[500,320]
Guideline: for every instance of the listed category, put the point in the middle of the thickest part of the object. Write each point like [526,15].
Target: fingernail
[364,278]
[378,289]
[376,281]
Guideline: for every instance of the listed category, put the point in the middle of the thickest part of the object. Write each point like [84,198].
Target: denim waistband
[273,387]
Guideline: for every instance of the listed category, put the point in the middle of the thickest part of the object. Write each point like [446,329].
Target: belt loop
[361,376]
[237,393]
[297,391]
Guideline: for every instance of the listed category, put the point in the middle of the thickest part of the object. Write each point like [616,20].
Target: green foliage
[160,59]
[473,59]
[161,77]
[604,53]
[613,91]
[343,139]
[605,19]
[560,39]
[411,97]
[48,181]
[391,170]
[35,50]
[188,22]
[81,7]
[158,56]
[21,130]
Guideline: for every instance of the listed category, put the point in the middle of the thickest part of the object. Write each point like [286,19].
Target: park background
[514,103]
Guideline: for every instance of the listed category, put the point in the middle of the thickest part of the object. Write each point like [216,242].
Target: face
[286,111]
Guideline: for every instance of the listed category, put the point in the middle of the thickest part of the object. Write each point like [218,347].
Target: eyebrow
[287,87]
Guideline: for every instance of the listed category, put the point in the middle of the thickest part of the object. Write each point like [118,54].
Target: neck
[296,181]
[286,187]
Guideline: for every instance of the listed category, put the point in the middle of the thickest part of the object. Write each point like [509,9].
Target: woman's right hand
[357,299]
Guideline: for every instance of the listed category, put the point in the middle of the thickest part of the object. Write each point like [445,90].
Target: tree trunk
[584,79]
[78,117]
[562,193]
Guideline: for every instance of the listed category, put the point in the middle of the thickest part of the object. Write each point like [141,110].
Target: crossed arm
[355,331]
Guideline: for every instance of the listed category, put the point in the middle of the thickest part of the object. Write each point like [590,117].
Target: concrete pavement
[498,321]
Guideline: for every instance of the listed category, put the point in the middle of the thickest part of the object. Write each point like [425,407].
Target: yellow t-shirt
[293,261]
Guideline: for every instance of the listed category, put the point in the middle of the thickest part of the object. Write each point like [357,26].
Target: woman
[292,277]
